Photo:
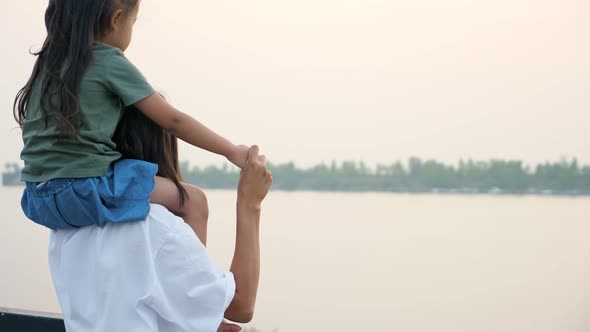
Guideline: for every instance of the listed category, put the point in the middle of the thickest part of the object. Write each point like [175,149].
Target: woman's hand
[239,155]
[255,179]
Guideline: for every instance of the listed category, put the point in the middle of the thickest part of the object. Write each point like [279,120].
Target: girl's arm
[190,130]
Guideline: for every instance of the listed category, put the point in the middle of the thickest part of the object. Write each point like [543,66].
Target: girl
[69,109]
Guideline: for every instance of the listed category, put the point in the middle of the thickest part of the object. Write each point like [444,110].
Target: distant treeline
[414,176]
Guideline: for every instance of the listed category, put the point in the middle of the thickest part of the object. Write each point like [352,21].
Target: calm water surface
[379,262]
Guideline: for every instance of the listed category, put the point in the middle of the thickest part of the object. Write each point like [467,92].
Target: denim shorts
[122,195]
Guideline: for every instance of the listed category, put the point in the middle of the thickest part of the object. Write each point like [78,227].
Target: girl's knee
[197,200]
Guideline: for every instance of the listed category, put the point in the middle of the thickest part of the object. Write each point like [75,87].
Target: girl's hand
[239,155]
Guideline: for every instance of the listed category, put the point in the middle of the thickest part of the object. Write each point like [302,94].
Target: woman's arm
[245,264]
[189,129]
[255,181]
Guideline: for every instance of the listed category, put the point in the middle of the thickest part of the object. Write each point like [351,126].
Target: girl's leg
[195,210]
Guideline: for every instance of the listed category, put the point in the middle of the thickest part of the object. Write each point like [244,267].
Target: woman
[138,137]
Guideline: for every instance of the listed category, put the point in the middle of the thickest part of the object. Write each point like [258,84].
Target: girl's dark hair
[138,137]
[72,27]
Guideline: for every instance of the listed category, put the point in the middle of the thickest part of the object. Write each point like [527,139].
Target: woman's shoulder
[166,220]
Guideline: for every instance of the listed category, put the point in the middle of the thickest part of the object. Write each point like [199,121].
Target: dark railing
[29,321]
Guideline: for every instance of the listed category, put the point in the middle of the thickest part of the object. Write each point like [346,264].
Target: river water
[379,262]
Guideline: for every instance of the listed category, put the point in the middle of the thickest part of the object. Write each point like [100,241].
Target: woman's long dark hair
[72,28]
[138,137]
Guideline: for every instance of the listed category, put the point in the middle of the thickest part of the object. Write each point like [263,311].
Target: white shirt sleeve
[190,293]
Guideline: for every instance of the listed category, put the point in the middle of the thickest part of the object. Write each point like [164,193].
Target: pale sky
[373,80]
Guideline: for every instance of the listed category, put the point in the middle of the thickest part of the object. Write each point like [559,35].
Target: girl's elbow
[173,125]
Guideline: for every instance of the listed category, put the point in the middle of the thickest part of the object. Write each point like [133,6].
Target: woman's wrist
[248,205]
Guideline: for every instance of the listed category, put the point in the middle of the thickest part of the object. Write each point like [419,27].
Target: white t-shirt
[152,275]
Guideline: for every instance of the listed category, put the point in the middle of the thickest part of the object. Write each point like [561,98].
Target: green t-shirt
[109,84]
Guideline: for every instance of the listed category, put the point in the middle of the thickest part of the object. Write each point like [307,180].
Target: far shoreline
[433,192]
[495,177]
